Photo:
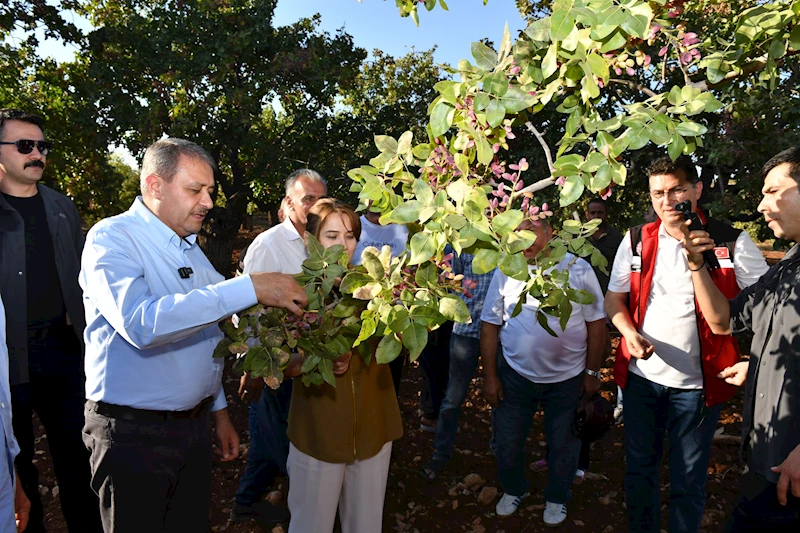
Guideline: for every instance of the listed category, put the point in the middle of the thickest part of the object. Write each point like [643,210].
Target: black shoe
[260,511]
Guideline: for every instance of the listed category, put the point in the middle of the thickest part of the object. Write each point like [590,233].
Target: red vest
[716,351]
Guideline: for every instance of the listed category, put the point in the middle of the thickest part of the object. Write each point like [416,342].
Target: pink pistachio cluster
[675,8]
[505,183]
[687,40]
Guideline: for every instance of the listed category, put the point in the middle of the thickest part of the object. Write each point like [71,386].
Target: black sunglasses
[25,146]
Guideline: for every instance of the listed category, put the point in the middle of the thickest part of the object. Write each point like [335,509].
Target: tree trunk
[220,228]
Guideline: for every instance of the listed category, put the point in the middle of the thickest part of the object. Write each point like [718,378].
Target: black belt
[147,415]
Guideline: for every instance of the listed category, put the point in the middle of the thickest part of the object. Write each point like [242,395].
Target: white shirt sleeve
[620,278]
[748,261]
[260,257]
[493,305]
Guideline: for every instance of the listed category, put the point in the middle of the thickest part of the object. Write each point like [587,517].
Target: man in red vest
[669,360]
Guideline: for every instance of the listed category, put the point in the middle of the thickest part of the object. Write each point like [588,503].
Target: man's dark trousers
[152,471]
[758,509]
[56,393]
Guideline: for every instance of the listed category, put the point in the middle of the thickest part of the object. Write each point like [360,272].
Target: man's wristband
[593,373]
[698,268]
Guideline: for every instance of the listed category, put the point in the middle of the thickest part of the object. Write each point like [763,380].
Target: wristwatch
[593,373]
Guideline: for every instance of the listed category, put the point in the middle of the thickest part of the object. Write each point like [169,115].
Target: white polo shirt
[279,249]
[527,347]
[670,322]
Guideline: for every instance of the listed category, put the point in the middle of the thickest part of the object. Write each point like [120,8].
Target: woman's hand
[292,369]
[341,365]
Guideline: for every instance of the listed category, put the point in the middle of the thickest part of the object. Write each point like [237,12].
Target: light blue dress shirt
[7,522]
[150,334]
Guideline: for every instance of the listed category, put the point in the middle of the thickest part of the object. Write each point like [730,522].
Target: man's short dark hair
[664,166]
[597,200]
[22,116]
[790,156]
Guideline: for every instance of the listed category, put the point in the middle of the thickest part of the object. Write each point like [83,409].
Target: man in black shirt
[769,496]
[40,249]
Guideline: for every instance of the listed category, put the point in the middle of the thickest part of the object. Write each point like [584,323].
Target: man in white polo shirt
[669,361]
[530,367]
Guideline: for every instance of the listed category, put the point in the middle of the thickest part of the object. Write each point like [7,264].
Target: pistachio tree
[457,186]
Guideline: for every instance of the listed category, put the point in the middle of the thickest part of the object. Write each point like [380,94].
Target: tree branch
[635,86]
[539,137]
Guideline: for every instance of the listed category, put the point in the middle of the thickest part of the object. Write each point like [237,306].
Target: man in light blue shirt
[14,505]
[153,302]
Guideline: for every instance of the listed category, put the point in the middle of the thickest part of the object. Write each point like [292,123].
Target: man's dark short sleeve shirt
[770,309]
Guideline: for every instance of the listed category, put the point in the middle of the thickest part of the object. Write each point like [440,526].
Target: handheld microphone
[685,208]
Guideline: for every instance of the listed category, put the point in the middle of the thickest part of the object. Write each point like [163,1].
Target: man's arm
[116,285]
[715,307]
[492,388]
[616,304]
[596,340]
[22,505]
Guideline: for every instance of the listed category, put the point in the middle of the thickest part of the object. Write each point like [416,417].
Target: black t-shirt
[44,299]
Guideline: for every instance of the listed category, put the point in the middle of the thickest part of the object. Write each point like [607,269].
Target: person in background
[669,360]
[40,248]
[606,237]
[153,306]
[769,492]
[524,365]
[341,437]
[281,248]
[464,354]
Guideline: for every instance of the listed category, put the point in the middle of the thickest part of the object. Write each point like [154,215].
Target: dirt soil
[413,505]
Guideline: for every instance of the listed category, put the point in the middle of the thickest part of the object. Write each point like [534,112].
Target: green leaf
[598,66]
[539,30]
[326,369]
[607,21]
[222,348]
[615,41]
[485,260]
[507,221]
[427,275]
[344,310]
[514,266]
[541,318]
[496,83]
[354,280]
[453,308]
[441,118]
[571,191]
[315,249]
[690,129]
[386,144]
[518,241]
[373,265]
[676,147]
[407,212]
[561,21]
[485,57]
[549,63]
[516,100]
[638,138]
[495,113]
[415,337]
[310,363]
[580,296]
[485,152]
[423,247]
[388,349]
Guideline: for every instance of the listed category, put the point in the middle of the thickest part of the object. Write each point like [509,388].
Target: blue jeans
[269,444]
[651,410]
[512,420]
[464,353]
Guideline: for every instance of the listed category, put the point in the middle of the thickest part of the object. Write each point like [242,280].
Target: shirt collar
[160,231]
[293,234]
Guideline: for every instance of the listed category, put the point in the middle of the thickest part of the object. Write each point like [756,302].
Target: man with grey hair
[153,303]
[281,248]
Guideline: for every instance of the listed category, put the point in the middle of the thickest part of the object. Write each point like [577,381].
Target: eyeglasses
[677,192]
[25,146]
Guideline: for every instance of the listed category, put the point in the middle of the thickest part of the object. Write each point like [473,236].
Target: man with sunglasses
[669,360]
[40,248]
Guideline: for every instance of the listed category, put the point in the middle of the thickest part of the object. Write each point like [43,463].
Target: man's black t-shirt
[44,299]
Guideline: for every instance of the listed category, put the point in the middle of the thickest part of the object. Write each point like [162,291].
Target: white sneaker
[619,417]
[554,513]
[508,504]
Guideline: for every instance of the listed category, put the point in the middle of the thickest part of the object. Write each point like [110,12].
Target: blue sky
[377,24]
